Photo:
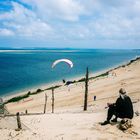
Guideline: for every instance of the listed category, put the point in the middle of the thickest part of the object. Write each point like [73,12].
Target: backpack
[125,124]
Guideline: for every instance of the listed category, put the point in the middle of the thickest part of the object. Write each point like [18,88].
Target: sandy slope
[69,121]
[69,126]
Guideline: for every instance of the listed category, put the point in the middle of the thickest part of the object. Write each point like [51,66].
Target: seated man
[123,108]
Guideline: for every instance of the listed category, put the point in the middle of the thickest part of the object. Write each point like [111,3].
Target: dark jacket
[124,107]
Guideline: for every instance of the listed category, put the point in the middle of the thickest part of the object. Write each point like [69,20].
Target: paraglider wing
[62,60]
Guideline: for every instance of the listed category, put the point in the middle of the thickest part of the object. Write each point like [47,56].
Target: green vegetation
[29,93]
[50,88]
[38,90]
[81,80]
[101,75]
[18,98]
[133,60]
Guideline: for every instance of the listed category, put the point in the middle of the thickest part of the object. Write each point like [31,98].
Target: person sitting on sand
[123,108]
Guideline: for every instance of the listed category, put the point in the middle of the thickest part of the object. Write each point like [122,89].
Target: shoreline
[75,79]
[51,84]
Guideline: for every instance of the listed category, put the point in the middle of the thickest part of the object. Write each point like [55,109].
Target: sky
[70,24]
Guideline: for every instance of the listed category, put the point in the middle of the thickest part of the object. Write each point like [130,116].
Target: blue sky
[70,23]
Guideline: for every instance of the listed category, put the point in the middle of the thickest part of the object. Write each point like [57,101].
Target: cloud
[24,22]
[67,10]
[114,20]
[6,32]
[71,20]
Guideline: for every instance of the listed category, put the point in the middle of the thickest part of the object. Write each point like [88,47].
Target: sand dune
[69,122]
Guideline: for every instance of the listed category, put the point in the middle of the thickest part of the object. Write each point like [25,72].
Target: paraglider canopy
[69,62]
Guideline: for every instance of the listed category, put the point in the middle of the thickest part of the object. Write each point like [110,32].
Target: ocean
[25,69]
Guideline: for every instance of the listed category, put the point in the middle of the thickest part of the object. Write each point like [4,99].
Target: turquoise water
[26,69]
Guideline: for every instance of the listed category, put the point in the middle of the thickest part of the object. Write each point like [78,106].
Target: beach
[69,121]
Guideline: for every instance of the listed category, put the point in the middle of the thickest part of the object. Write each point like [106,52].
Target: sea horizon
[64,48]
[24,70]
